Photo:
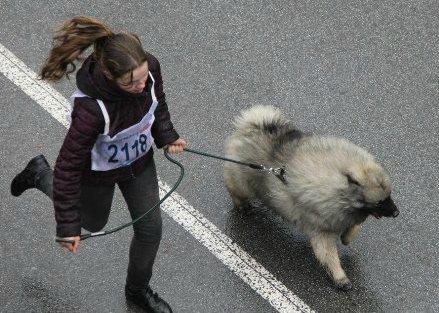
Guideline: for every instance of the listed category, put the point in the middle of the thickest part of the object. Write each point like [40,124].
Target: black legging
[140,194]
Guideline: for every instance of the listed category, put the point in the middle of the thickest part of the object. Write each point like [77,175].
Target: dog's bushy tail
[265,118]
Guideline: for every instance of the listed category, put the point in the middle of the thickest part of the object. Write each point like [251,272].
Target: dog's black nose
[395,213]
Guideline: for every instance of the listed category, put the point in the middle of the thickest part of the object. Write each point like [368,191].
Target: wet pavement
[363,70]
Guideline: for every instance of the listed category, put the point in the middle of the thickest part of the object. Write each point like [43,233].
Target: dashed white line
[220,245]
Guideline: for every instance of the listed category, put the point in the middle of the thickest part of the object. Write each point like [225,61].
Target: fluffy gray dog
[329,185]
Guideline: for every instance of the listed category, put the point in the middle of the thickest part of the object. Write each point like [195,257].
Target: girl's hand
[176,147]
[72,247]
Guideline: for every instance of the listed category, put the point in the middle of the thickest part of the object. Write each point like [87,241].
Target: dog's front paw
[349,235]
[343,284]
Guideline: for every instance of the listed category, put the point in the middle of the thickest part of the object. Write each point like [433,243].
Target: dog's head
[370,184]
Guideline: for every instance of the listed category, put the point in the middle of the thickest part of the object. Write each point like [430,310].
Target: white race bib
[125,147]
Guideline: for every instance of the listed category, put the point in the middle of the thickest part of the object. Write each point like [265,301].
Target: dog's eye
[351,180]
[384,201]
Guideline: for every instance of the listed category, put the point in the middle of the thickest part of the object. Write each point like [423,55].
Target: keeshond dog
[329,186]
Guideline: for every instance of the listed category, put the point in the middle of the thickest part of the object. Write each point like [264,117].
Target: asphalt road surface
[363,70]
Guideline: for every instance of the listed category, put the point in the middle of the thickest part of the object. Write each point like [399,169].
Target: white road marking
[233,256]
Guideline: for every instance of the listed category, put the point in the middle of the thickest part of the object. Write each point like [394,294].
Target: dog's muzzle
[387,207]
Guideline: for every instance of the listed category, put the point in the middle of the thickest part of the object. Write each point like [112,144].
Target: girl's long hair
[117,54]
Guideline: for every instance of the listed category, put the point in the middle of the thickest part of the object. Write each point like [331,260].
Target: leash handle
[81,237]
[65,240]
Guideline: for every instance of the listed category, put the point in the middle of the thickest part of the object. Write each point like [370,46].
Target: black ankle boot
[27,178]
[149,300]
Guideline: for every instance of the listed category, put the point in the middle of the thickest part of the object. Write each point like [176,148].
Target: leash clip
[279,172]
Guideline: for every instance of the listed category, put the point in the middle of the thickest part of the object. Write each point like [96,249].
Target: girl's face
[136,82]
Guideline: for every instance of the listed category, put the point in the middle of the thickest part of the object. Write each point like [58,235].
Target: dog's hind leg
[350,234]
[325,250]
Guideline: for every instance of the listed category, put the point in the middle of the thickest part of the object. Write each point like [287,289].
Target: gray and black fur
[331,185]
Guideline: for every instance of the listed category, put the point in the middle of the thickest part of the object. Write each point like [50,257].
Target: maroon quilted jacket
[73,165]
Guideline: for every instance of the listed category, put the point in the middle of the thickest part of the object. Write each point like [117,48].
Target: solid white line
[234,257]
[42,93]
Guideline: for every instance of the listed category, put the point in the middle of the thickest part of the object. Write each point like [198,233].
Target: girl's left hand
[176,147]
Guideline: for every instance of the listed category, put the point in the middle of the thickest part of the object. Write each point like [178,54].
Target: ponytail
[70,41]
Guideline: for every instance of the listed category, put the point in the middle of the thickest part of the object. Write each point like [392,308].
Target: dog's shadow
[286,253]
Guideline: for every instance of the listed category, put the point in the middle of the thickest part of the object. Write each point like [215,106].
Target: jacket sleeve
[162,130]
[87,122]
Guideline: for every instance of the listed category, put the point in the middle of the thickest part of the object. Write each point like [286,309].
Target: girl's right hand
[72,247]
